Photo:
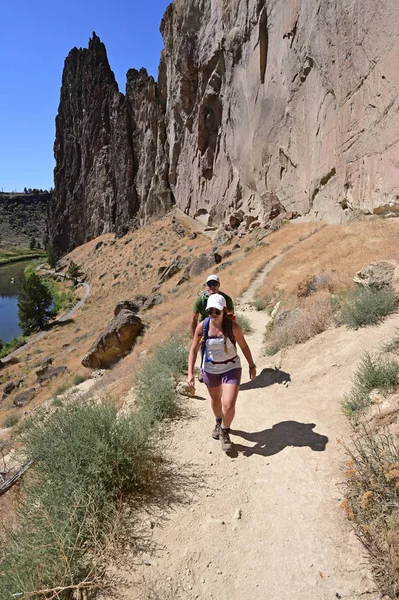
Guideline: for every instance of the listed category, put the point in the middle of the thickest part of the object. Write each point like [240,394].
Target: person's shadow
[287,433]
[265,378]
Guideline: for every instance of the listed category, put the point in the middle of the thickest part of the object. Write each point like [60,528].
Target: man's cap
[216,301]
[212,278]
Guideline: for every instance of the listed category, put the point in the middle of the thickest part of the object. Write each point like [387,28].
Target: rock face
[260,107]
[23,216]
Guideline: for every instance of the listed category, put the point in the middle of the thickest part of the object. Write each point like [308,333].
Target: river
[14,272]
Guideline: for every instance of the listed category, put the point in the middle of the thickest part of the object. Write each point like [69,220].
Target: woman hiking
[220,364]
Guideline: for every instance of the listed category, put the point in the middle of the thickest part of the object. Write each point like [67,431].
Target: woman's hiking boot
[225,438]
[216,429]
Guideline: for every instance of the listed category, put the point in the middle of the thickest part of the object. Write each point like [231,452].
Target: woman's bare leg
[228,401]
[216,403]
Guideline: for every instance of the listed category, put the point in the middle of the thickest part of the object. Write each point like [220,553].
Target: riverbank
[16,255]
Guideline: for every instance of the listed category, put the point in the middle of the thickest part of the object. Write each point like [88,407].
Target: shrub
[12,345]
[11,420]
[244,323]
[374,373]
[78,379]
[365,306]
[88,458]
[372,497]
[155,384]
[393,344]
[299,326]
[62,299]
[259,304]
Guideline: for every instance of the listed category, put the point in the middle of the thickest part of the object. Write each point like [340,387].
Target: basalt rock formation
[23,217]
[260,107]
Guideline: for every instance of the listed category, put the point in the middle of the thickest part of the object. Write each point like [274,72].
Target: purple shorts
[214,380]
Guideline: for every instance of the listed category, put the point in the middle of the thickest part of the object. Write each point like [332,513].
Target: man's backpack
[205,330]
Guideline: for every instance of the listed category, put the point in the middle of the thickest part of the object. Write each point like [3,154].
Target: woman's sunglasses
[210,311]
[212,283]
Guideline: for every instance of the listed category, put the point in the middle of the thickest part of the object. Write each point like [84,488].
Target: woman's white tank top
[216,360]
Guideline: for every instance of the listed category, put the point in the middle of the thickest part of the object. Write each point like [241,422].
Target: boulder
[379,275]
[43,367]
[25,397]
[130,305]
[201,263]
[115,342]
[51,374]
[152,301]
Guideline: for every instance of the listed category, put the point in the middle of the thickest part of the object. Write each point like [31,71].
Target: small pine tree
[34,301]
[74,271]
[52,256]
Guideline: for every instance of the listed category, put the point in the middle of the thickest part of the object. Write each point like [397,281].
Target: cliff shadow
[265,378]
[280,436]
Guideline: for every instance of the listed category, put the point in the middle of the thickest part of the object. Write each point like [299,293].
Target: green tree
[32,243]
[34,301]
[52,256]
[74,271]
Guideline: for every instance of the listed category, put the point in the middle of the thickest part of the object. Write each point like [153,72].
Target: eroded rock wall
[259,103]
[297,98]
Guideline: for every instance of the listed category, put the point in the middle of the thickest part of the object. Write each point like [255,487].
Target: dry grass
[313,317]
[342,248]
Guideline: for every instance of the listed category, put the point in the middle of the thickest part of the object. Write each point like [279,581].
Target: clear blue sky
[35,38]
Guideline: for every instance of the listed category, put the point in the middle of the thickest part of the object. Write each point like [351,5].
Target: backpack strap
[205,330]
[230,334]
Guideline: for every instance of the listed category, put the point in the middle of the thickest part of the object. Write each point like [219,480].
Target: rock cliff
[261,106]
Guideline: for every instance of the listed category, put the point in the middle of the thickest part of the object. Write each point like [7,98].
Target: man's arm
[194,323]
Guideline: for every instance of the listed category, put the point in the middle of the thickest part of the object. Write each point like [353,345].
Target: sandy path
[263,523]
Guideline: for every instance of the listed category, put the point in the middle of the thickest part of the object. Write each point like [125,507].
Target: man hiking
[199,308]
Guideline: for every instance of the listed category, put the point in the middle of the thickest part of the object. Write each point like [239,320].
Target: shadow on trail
[265,378]
[274,440]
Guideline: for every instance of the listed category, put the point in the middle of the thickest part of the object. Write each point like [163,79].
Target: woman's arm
[192,357]
[241,341]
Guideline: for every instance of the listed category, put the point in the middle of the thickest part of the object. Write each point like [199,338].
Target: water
[9,327]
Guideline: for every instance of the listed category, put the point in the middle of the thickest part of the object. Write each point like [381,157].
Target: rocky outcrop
[260,108]
[23,217]
[115,342]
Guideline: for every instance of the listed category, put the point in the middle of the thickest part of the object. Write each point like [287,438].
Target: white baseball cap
[216,301]
[213,278]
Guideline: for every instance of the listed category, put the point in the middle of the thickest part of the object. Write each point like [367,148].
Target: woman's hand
[252,372]
[190,380]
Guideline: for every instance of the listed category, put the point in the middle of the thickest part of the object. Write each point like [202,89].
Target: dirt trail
[263,523]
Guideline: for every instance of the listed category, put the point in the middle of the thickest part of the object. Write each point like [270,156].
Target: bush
[372,498]
[89,457]
[244,323]
[259,304]
[393,344]
[12,345]
[374,373]
[364,306]
[299,326]
[10,420]
[78,379]
[156,383]
[62,299]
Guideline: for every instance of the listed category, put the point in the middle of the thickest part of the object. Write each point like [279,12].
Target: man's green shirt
[200,304]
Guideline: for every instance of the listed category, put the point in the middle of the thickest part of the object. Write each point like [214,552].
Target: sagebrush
[372,500]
